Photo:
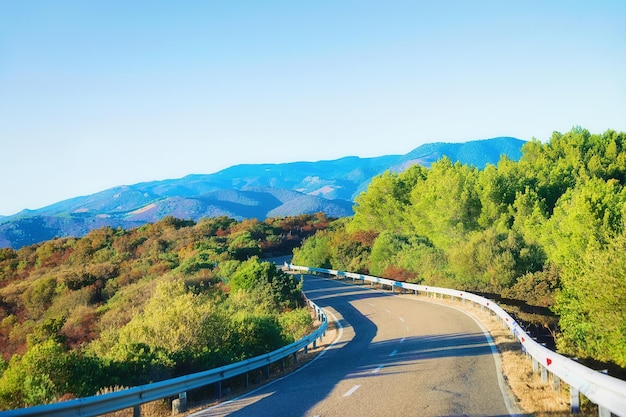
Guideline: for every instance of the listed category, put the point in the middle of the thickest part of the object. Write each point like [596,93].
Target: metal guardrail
[608,392]
[133,397]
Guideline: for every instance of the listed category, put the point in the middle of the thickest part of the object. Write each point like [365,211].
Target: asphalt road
[394,356]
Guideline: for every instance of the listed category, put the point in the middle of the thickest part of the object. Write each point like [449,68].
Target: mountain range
[240,191]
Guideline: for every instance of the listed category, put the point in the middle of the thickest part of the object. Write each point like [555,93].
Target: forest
[546,233]
[129,307]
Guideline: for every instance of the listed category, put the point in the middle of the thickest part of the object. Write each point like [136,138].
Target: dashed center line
[375,371]
[402,319]
[351,390]
[402,340]
[394,352]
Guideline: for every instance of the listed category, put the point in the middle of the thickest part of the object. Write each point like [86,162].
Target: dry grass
[152,409]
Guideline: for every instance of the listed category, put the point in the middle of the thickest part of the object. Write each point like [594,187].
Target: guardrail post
[179,405]
[603,412]
[574,400]
[295,357]
[544,374]
[556,383]
[137,411]
[535,365]
[266,372]
[218,390]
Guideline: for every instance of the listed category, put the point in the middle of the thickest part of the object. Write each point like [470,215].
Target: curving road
[394,356]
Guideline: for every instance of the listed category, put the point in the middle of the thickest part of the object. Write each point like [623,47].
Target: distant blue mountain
[241,191]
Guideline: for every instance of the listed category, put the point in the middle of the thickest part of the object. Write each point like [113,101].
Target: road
[394,356]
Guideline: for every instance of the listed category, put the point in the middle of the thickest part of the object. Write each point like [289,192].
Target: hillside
[131,307]
[241,191]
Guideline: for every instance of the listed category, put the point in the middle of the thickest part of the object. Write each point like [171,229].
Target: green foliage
[591,304]
[38,297]
[286,290]
[386,246]
[446,207]
[295,324]
[587,216]
[423,261]
[173,319]
[491,261]
[351,251]
[536,288]
[384,206]
[45,372]
[128,307]
[243,245]
[315,251]
[255,335]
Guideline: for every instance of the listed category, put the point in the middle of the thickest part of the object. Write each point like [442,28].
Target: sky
[97,94]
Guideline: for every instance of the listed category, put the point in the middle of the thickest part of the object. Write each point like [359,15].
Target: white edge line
[375,371]
[351,391]
[507,395]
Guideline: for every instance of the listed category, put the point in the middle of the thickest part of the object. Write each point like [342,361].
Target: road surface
[394,356]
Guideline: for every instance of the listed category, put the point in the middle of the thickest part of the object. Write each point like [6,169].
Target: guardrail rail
[608,392]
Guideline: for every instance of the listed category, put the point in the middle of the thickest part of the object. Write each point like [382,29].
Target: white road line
[388,311]
[375,371]
[402,340]
[394,352]
[401,319]
[351,390]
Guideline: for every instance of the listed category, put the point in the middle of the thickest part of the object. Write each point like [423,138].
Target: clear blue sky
[95,94]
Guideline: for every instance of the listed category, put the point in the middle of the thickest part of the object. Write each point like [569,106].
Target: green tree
[591,304]
[386,246]
[585,218]
[174,319]
[315,251]
[285,289]
[446,207]
[384,205]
